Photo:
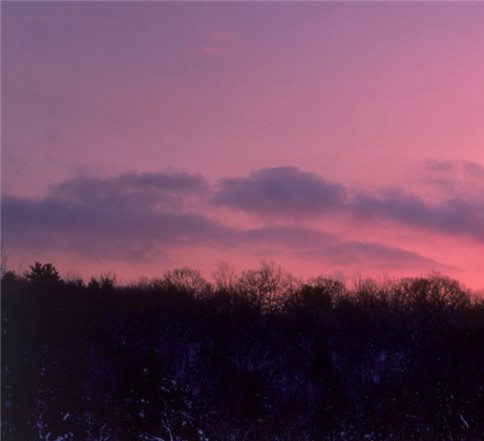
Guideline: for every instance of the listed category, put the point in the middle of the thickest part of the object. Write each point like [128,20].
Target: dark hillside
[262,358]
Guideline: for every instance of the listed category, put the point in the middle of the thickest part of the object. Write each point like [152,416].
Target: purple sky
[333,138]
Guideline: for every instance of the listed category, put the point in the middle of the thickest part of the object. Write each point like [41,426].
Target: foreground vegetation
[251,357]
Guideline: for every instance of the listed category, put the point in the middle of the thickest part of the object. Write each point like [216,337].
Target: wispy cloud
[469,168]
[451,180]
[317,245]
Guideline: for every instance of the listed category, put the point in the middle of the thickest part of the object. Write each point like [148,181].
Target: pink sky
[334,138]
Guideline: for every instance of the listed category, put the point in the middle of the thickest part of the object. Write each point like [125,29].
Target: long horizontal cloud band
[454,216]
[289,192]
[130,214]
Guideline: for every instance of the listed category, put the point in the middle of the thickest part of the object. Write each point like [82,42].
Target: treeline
[254,356]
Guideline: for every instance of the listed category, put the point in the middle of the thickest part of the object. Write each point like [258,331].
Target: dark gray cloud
[90,221]
[122,216]
[287,192]
[136,216]
[141,189]
[454,215]
[127,232]
[280,191]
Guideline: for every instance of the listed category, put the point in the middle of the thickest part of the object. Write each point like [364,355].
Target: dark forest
[255,356]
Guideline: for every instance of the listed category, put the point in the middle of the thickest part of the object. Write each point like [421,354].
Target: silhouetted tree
[261,359]
[317,295]
[267,288]
[3,261]
[43,274]
[187,281]
[225,278]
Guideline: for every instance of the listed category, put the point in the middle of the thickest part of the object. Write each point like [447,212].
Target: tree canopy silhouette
[258,356]
[43,274]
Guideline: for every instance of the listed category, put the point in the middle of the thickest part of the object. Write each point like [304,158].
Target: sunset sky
[333,138]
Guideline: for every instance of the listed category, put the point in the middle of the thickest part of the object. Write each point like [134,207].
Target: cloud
[122,216]
[123,228]
[455,207]
[462,168]
[458,178]
[454,215]
[134,183]
[331,249]
[376,255]
[440,166]
[288,193]
[474,169]
[135,216]
[280,191]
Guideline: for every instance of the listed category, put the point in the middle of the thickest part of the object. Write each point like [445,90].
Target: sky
[341,139]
